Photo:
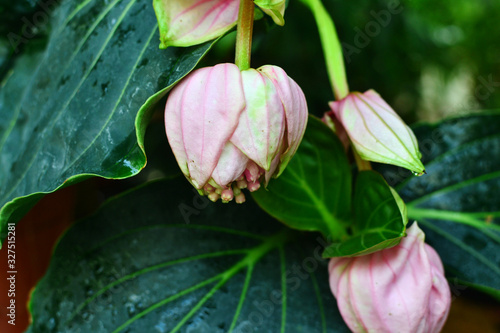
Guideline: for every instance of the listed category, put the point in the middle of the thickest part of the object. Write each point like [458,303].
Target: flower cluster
[233,127]
[376,131]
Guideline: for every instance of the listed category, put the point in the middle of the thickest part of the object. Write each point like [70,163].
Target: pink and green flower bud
[191,22]
[273,8]
[231,129]
[400,289]
[377,133]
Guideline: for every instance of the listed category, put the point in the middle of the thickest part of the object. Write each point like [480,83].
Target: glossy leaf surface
[457,203]
[71,113]
[314,194]
[314,191]
[172,261]
[378,221]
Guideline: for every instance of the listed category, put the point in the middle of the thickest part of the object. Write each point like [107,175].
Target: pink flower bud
[377,133]
[232,129]
[400,289]
[191,22]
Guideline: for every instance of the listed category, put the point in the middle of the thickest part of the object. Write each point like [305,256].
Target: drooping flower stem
[332,49]
[334,58]
[244,34]
[361,163]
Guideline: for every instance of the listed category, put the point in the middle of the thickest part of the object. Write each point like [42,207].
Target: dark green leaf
[457,203]
[72,113]
[157,259]
[314,191]
[378,220]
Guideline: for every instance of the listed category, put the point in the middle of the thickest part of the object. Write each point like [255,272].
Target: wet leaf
[314,191]
[378,221]
[457,202]
[172,261]
[74,112]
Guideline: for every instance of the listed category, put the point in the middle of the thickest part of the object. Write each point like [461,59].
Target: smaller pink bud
[191,22]
[400,289]
[377,133]
[231,129]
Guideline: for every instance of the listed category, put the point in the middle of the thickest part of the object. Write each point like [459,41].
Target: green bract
[273,8]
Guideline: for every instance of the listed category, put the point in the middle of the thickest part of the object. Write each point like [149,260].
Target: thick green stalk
[244,34]
[334,58]
[331,48]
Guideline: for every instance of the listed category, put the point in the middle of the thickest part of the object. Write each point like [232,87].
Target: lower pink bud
[400,289]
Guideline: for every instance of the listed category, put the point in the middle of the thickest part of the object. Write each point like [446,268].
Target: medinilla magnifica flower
[232,129]
[377,132]
[400,289]
[191,22]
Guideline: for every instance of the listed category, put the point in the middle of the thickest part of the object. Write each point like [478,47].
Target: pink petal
[252,172]
[232,163]
[211,106]
[261,126]
[295,106]
[440,297]
[400,289]
[275,164]
[173,128]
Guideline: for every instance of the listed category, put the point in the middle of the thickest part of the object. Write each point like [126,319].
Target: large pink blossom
[232,129]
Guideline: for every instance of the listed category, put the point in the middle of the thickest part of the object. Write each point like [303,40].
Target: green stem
[254,255]
[276,241]
[244,34]
[335,228]
[470,219]
[361,163]
[334,58]
[331,48]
